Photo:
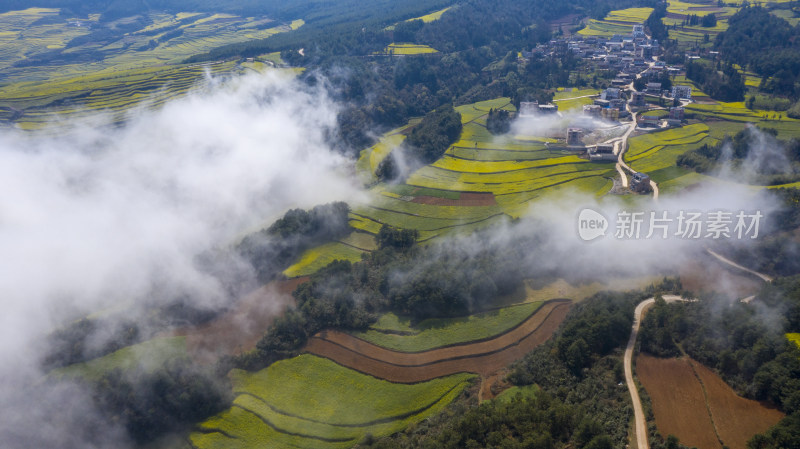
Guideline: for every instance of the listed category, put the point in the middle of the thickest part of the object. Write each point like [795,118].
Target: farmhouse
[610,94]
[602,152]
[638,31]
[574,136]
[531,108]
[637,99]
[653,88]
[649,121]
[592,110]
[683,92]
[640,183]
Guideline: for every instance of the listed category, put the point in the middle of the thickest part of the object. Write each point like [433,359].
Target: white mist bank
[102,216]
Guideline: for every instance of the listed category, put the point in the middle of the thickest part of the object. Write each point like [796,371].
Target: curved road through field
[641,424]
[638,413]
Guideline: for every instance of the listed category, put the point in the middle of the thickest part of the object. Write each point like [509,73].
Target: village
[632,60]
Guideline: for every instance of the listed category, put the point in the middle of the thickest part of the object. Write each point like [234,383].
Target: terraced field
[484,357]
[350,248]
[616,22]
[163,39]
[689,36]
[397,333]
[46,73]
[319,404]
[737,113]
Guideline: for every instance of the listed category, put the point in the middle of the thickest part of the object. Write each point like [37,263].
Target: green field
[737,113]
[527,391]
[350,248]
[149,356]
[656,153]
[616,22]
[398,333]
[311,402]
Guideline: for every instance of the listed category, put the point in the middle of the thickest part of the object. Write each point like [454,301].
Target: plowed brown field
[678,401]
[680,408]
[484,357]
[737,419]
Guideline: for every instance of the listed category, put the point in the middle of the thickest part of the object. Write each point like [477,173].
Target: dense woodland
[766,44]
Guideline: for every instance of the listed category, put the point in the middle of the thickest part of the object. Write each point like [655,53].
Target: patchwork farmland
[142,68]
[351,388]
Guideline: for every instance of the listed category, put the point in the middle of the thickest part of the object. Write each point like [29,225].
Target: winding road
[638,413]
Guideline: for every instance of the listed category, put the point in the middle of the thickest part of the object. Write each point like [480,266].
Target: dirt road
[638,414]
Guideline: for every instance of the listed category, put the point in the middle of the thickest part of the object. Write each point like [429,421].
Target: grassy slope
[616,22]
[150,355]
[319,404]
[433,333]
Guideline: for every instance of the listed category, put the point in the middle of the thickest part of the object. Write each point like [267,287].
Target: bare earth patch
[693,403]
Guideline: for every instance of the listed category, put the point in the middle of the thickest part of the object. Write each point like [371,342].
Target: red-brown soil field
[693,403]
[483,357]
[737,419]
[239,329]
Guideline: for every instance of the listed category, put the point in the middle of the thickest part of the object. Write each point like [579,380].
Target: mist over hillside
[106,219]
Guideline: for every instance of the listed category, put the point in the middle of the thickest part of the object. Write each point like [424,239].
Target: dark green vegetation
[724,85]
[469,39]
[150,404]
[427,142]
[273,249]
[441,280]
[757,152]
[767,45]
[580,402]
[498,121]
[744,343]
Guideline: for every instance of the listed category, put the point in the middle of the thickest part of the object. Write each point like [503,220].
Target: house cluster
[627,54]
